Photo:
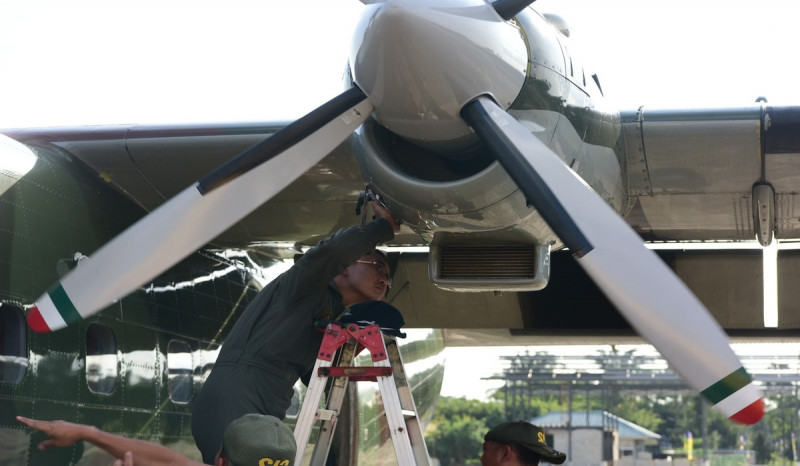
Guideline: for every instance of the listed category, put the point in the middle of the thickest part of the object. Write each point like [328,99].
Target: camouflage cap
[525,435]
[257,439]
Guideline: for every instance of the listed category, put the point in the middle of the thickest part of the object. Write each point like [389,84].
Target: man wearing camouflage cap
[258,440]
[516,444]
[250,440]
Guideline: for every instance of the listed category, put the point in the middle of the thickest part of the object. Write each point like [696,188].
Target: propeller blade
[650,296]
[198,214]
[507,9]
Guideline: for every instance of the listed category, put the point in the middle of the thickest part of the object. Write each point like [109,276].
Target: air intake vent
[490,267]
[465,262]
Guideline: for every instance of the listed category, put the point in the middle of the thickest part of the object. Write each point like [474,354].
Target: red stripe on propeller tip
[36,321]
[751,414]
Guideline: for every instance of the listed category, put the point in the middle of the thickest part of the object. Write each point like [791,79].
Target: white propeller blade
[198,214]
[650,296]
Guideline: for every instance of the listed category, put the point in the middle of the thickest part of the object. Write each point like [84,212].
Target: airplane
[492,235]
[135,368]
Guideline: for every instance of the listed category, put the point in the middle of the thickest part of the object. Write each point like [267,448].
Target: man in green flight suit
[274,342]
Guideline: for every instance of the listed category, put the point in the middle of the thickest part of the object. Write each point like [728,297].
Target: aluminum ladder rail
[342,344]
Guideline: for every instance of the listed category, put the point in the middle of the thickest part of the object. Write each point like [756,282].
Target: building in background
[596,438]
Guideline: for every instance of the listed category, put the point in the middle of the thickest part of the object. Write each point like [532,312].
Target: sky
[161,61]
[158,61]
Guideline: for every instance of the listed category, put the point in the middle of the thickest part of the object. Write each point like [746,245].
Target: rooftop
[593,419]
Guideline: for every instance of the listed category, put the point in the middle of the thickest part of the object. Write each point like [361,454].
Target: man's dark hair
[380,253]
[526,456]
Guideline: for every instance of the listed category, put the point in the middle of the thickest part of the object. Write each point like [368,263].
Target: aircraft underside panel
[788,291]
[782,149]
[692,173]
[572,310]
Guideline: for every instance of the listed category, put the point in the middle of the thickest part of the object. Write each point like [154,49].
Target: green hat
[252,438]
[525,435]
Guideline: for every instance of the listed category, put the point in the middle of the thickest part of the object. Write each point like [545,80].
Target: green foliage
[732,460]
[455,435]
[491,413]
[531,406]
[639,411]
[761,447]
[543,405]
[457,441]
[682,414]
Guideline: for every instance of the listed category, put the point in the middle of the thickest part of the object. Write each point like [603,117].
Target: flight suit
[274,341]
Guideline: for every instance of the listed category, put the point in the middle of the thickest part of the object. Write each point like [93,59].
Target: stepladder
[332,373]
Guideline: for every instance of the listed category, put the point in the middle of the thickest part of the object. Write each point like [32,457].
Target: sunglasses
[381,267]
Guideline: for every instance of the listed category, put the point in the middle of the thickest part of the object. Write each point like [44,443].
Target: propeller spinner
[420,64]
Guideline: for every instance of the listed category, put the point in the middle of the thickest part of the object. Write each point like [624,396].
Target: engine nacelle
[435,192]
[443,183]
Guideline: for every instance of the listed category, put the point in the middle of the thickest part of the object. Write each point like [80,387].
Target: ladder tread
[326,414]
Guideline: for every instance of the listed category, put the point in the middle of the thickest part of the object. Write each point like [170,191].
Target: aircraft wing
[691,175]
[151,164]
[713,174]
[695,182]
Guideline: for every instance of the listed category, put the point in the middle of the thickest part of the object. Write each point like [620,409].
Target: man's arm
[64,434]
[338,251]
[383,213]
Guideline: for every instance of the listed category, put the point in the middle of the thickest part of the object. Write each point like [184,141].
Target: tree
[639,411]
[455,435]
[519,405]
[457,441]
[760,445]
[490,412]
